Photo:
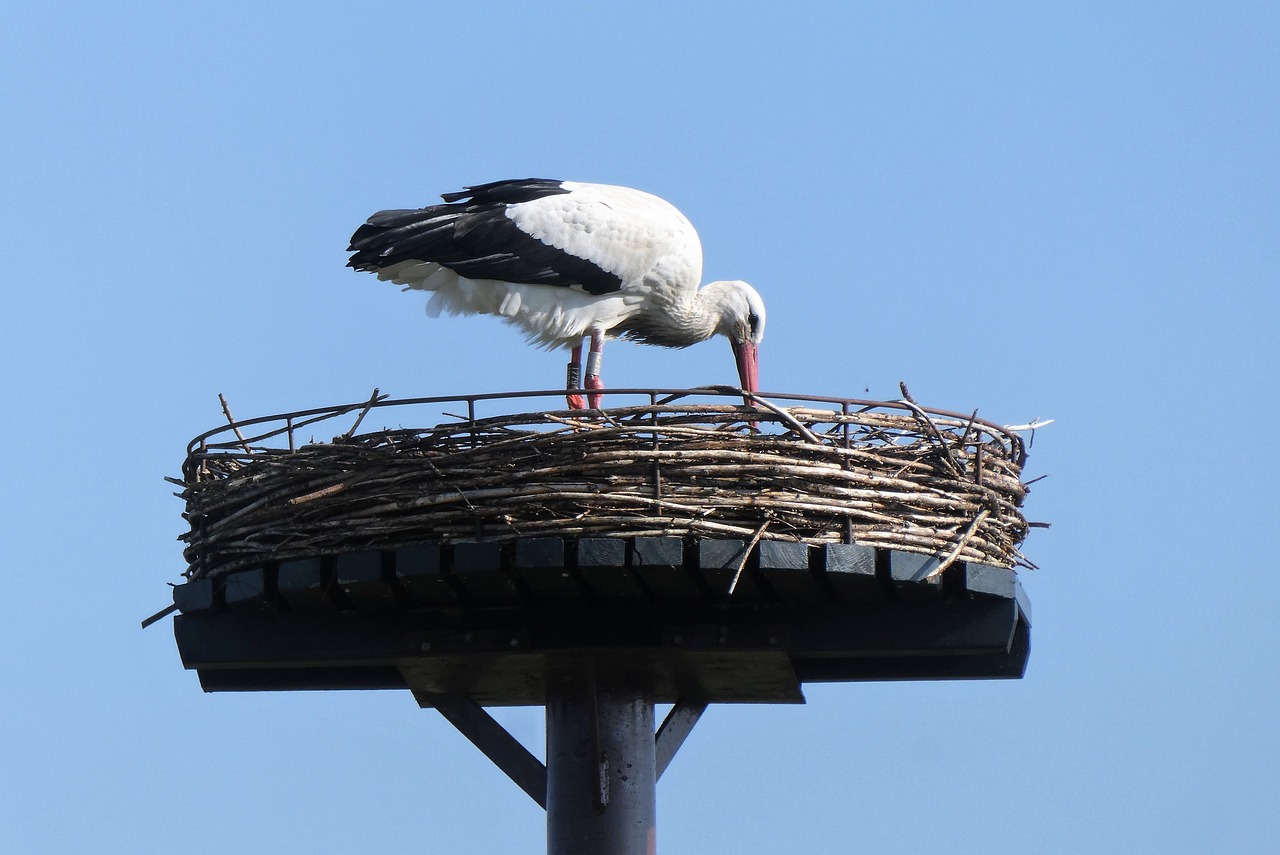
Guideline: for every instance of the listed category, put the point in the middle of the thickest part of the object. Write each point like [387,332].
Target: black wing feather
[508,192]
[472,235]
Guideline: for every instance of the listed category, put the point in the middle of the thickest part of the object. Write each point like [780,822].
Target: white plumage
[564,260]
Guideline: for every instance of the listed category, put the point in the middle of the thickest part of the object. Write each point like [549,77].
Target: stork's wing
[473,235]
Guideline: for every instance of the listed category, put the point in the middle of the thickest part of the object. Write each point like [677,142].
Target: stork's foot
[576,401]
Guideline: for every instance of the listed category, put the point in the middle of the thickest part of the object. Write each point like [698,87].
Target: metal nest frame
[675,462]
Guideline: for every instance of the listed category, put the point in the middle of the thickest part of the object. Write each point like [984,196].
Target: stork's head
[742,322]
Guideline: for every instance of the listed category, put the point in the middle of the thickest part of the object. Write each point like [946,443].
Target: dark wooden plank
[364,580]
[659,564]
[540,563]
[602,567]
[983,580]
[990,581]
[712,676]
[478,566]
[748,652]
[301,679]
[295,639]
[197,597]
[995,666]
[420,572]
[540,552]
[718,564]
[785,567]
[997,662]
[909,628]
[892,628]
[602,551]
[302,584]
[658,552]
[850,568]
[908,572]
[250,591]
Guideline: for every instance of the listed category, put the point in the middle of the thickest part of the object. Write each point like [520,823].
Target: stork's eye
[753,321]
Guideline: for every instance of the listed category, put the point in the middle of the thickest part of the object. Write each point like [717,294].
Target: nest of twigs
[888,474]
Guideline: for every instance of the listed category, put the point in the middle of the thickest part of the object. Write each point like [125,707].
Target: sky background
[1065,211]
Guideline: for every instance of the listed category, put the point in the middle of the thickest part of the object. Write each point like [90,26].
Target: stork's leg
[573,379]
[594,358]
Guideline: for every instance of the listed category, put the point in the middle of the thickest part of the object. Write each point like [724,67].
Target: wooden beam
[675,729]
[504,750]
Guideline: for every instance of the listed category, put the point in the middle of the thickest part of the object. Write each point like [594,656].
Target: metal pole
[600,764]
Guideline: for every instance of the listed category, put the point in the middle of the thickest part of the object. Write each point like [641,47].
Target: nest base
[882,474]
[492,630]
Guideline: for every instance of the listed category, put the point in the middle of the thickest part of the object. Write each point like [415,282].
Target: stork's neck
[678,317]
[695,317]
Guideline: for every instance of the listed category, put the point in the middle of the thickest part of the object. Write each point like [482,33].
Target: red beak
[748,357]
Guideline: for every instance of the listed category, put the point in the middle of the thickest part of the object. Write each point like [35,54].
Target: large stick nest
[888,474]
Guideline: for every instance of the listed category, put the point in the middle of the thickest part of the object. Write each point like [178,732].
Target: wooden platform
[493,621]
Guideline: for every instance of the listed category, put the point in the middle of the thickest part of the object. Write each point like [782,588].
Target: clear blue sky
[1039,210]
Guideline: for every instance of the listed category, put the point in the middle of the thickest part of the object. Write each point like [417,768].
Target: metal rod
[657,464]
[844,424]
[601,779]
[471,419]
[321,413]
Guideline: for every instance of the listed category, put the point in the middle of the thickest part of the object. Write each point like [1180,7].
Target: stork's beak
[748,357]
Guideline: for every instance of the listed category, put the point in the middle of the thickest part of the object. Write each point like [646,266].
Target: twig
[373,399]
[167,610]
[968,429]
[964,541]
[936,434]
[790,420]
[226,411]
[746,553]
[318,494]
[1032,425]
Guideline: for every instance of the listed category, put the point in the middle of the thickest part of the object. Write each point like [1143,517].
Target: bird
[566,262]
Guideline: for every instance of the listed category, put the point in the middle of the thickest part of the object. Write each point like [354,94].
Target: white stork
[564,261]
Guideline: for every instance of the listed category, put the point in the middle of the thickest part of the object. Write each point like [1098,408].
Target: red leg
[594,358]
[573,380]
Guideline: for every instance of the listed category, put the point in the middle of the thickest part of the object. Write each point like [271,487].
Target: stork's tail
[389,238]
